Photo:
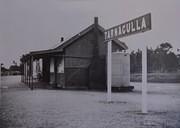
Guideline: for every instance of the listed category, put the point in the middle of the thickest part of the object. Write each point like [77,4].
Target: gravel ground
[42,108]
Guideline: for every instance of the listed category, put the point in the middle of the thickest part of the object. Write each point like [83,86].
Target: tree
[161,59]
[161,56]
[165,47]
[171,62]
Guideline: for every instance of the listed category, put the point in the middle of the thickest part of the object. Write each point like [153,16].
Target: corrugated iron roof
[65,43]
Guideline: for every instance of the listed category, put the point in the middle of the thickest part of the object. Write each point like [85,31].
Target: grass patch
[157,77]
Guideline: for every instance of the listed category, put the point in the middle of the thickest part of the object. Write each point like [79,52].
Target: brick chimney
[96,20]
[62,39]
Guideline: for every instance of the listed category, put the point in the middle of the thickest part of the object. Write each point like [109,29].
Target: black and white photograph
[89,64]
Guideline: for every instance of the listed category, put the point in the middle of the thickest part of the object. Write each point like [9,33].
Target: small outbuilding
[79,62]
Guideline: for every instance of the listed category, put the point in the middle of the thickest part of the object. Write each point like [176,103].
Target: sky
[30,25]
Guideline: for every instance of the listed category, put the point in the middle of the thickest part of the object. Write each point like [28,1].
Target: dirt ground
[42,108]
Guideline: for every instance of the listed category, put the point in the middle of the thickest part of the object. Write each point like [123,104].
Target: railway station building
[79,62]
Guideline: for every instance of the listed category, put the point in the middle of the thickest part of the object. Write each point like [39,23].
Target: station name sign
[137,25]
